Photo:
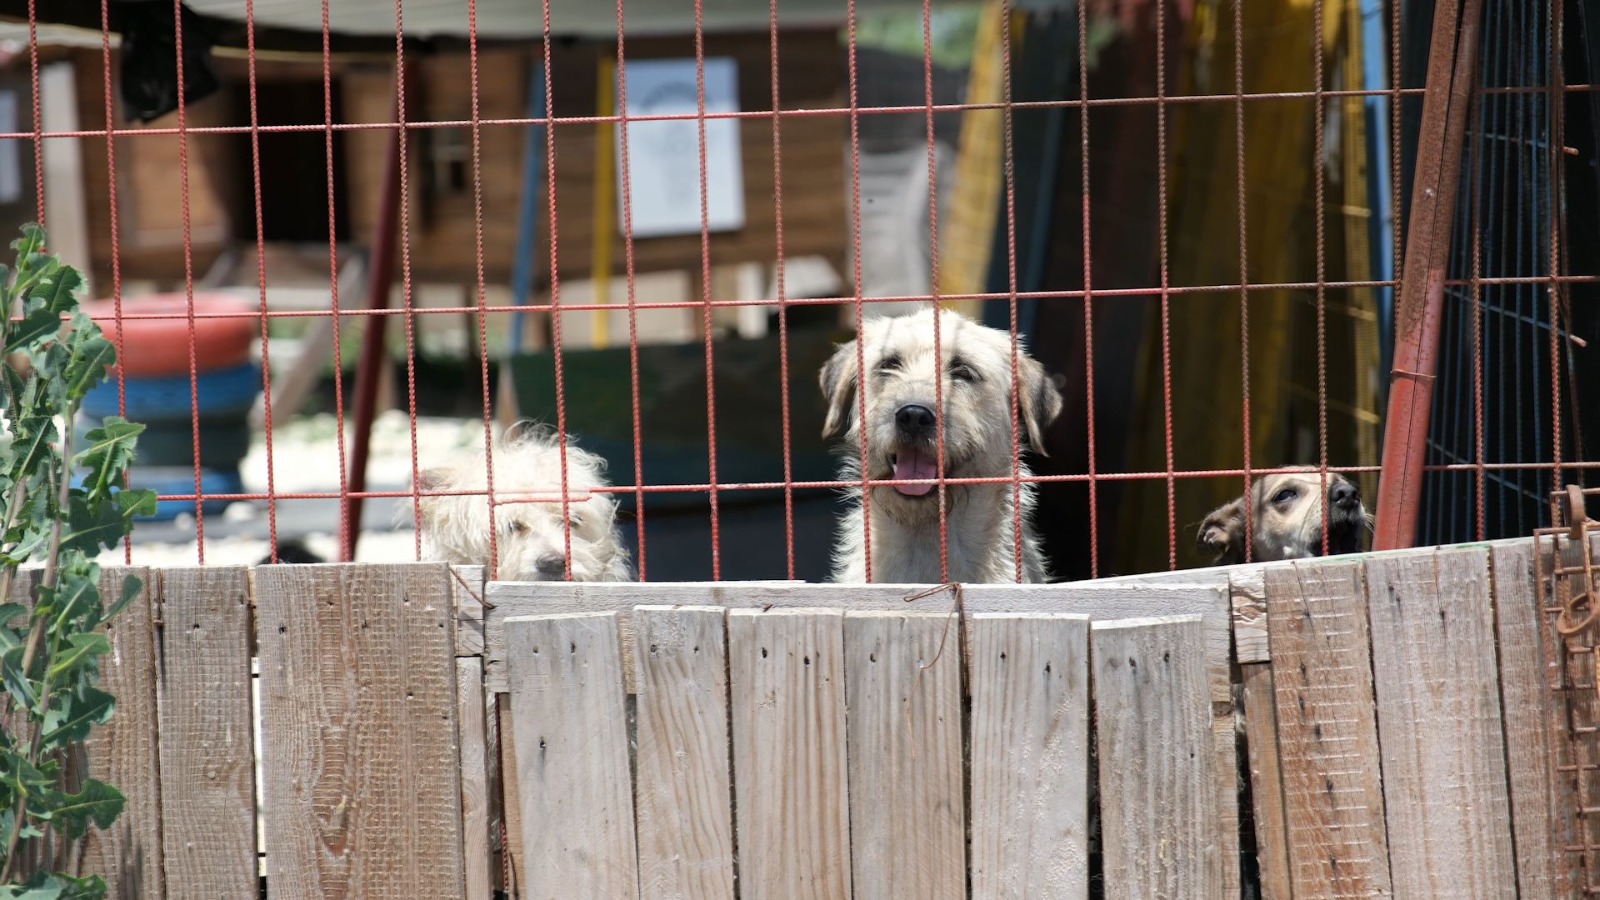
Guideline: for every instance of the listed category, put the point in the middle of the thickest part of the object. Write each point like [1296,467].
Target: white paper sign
[664,157]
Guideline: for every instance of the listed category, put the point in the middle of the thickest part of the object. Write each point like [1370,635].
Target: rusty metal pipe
[1452,77]
[385,240]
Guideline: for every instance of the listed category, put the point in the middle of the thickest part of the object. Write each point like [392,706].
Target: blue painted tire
[220,393]
[177,480]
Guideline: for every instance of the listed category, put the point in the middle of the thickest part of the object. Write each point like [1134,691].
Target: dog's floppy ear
[608,509]
[1222,534]
[838,381]
[431,480]
[1040,400]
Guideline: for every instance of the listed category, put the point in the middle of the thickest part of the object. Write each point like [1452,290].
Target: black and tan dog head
[1286,520]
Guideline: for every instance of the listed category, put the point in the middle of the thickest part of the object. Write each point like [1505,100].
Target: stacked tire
[206,423]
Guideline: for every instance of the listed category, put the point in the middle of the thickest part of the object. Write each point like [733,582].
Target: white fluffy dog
[531,540]
[902,388]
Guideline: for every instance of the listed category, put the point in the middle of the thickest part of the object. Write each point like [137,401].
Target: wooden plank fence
[1369,726]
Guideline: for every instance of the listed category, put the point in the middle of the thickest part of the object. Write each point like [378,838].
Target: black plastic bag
[149,58]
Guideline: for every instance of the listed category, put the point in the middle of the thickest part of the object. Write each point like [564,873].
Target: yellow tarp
[1206,333]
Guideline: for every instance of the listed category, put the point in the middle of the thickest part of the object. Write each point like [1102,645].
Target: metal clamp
[1569,595]
[1579,612]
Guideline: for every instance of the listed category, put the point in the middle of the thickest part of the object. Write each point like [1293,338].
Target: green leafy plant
[50,647]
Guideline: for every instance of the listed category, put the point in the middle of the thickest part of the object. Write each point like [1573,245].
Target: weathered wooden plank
[24,583]
[1157,788]
[466,594]
[495,811]
[1248,589]
[1439,727]
[124,751]
[574,786]
[1243,583]
[1030,756]
[358,701]
[787,690]
[685,793]
[1542,823]
[1266,782]
[1242,586]
[903,734]
[1225,744]
[472,739]
[523,598]
[510,790]
[1247,584]
[1327,730]
[207,759]
[1210,602]
[260,741]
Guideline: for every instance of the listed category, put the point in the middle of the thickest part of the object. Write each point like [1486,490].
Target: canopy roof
[362,22]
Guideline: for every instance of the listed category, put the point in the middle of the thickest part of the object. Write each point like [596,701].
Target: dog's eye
[960,371]
[516,527]
[1285,495]
[889,363]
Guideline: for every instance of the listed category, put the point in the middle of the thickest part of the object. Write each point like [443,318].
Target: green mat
[672,411]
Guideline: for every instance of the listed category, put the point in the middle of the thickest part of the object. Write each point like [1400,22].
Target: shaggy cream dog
[531,535]
[1286,518]
[900,435]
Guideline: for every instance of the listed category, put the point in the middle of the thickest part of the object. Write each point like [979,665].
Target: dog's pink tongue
[913,464]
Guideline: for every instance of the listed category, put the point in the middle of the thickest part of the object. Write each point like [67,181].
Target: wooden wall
[815,218]
[150,183]
[442,229]
[1401,737]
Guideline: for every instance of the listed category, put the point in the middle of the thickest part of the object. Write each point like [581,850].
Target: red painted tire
[160,347]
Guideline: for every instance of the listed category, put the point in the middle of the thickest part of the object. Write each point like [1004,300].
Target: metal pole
[1452,73]
[385,238]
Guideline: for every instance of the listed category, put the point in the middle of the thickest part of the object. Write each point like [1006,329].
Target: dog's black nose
[1343,494]
[552,565]
[913,419]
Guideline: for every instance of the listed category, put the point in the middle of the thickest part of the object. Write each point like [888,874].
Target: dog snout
[1343,495]
[551,565]
[914,420]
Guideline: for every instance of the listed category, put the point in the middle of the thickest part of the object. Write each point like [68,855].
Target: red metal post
[1452,73]
[385,238]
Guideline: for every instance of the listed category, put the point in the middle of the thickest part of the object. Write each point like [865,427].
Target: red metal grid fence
[1171,76]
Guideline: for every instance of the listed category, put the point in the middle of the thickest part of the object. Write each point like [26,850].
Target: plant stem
[63,500]
[14,504]
[36,634]
[52,563]
[19,497]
